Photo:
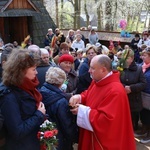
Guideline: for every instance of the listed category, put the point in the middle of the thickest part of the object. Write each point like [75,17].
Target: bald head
[100,66]
[104,61]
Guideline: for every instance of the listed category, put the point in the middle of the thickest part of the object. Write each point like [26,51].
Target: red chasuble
[109,117]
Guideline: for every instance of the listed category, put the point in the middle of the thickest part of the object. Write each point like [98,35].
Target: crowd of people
[94,93]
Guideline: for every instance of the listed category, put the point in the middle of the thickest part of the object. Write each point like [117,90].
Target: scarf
[145,66]
[30,87]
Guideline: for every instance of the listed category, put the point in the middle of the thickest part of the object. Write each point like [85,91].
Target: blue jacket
[57,108]
[147,76]
[21,119]
[84,68]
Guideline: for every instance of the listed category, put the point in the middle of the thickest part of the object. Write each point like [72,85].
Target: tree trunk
[61,16]
[99,18]
[115,25]
[108,13]
[86,13]
[79,12]
[138,21]
[57,18]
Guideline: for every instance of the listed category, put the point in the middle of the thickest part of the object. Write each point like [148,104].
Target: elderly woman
[78,43]
[134,82]
[20,102]
[90,53]
[66,64]
[145,113]
[57,108]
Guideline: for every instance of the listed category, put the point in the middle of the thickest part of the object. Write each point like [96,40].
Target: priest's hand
[74,109]
[75,99]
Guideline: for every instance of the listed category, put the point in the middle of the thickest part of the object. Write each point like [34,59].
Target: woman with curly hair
[20,101]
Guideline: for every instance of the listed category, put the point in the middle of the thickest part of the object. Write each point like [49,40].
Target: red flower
[39,135]
[43,147]
[55,132]
[48,134]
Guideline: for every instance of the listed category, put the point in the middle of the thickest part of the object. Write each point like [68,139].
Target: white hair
[55,75]
[34,48]
[44,51]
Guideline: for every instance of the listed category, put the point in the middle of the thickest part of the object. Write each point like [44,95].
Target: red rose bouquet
[47,135]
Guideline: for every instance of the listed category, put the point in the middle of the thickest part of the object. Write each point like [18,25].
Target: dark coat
[134,43]
[41,74]
[72,81]
[21,119]
[134,77]
[48,39]
[84,68]
[58,110]
[84,82]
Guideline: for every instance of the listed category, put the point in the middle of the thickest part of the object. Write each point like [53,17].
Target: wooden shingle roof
[18,13]
[3,3]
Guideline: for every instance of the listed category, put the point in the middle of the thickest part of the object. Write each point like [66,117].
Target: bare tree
[108,13]
[108,18]
[61,14]
[77,7]
[99,14]
[147,7]
[57,18]
[139,14]
[86,13]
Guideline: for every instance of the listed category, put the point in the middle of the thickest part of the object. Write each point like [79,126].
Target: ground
[139,146]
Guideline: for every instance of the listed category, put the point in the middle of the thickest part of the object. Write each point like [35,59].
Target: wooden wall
[1,27]
[14,29]
[20,4]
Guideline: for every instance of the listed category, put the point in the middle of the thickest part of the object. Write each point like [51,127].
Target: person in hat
[58,109]
[66,64]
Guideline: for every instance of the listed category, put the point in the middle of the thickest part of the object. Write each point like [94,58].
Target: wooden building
[19,18]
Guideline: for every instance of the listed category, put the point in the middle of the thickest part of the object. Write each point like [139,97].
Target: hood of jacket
[51,93]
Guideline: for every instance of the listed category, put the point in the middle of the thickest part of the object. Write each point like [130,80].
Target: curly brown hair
[15,67]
